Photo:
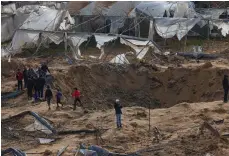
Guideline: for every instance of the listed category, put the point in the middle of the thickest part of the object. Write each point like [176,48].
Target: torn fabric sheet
[37,126]
[67,22]
[210,13]
[170,9]
[94,8]
[116,24]
[44,19]
[102,39]
[224,26]
[24,39]
[76,41]
[140,47]
[151,30]
[45,141]
[122,8]
[7,28]
[57,38]
[169,27]
[8,9]
[120,59]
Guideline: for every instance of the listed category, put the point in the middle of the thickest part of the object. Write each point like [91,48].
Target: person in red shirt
[76,96]
[19,77]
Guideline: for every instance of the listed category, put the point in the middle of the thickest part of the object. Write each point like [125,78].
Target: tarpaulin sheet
[7,28]
[45,140]
[102,39]
[38,126]
[44,19]
[116,24]
[224,26]
[151,30]
[210,13]
[169,27]
[8,9]
[120,59]
[158,9]
[122,8]
[66,24]
[94,8]
[140,47]
[76,41]
[57,38]
[23,38]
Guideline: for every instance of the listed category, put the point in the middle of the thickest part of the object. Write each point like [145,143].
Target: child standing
[58,98]
[76,96]
[48,96]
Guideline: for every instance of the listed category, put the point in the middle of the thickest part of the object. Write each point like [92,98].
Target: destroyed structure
[135,24]
[182,125]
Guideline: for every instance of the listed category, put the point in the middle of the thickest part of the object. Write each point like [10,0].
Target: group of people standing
[35,80]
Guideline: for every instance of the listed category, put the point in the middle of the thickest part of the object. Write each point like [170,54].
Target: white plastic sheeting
[7,28]
[120,59]
[94,8]
[57,38]
[102,39]
[67,22]
[140,47]
[224,26]
[45,141]
[210,13]
[26,39]
[8,9]
[44,19]
[158,9]
[37,126]
[122,8]
[76,41]
[169,27]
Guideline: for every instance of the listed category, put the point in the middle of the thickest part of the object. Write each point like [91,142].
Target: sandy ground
[189,94]
[178,124]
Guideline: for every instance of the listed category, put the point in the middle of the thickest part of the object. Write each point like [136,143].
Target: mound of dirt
[101,83]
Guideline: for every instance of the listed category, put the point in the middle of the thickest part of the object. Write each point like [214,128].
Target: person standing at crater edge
[118,112]
[226,88]
[76,96]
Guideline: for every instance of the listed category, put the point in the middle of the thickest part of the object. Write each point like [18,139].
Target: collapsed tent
[30,22]
[75,42]
[40,123]
[102,40]
[166,9]
[169,27]
[140,47]
[120,59]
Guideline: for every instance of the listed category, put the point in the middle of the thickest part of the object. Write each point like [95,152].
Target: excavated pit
[140,85]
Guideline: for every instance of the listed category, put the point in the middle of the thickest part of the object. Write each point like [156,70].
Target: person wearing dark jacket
[19,77]
[30,85]
[45,68]
[118,112]
[25,76]
[226,88]
[48,96]
[40,86]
